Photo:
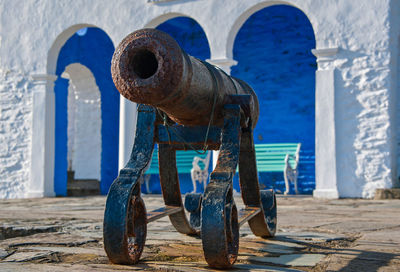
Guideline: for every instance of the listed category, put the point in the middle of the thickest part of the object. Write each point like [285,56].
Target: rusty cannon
[185,103]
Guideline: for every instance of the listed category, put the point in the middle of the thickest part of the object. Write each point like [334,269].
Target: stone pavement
[60,234]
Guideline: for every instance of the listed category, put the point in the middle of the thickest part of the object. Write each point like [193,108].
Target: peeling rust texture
[149,67]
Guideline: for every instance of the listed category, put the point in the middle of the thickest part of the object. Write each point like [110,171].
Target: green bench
[270,158]
[187,162]
[279,158]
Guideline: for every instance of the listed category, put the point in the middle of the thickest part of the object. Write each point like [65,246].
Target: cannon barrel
[149,67]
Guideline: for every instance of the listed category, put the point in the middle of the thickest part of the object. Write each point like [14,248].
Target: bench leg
[192,176]
[287,185]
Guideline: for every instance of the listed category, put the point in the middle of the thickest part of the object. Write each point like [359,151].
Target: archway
[273,50]
[84,137]
[192,38]
[92,49]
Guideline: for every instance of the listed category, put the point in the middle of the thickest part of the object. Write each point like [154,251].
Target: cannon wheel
[125,218]
[220,227]
[124,240]
[264,223]
[219,216]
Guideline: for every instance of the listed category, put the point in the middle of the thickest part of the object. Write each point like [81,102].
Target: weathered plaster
[15,132]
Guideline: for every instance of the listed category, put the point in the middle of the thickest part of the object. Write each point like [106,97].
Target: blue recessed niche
[273,50]
[92,48]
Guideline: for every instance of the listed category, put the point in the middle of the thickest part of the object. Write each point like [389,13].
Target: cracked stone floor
[65,234]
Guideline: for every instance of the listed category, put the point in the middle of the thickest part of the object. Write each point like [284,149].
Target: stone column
[224,64]
[41,178]
[325,125]
[127,130]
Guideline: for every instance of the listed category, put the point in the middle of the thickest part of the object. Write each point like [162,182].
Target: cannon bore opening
[144,63]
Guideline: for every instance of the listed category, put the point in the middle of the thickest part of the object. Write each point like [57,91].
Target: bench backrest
[271,157]
[184,161]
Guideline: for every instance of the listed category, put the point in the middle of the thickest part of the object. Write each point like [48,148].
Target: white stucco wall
[363,100]
[395,76]
[15,132]
[356,45]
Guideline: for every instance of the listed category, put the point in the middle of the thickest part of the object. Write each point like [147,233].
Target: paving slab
[309,236]
[291,259]
[279,249]
[28,256]
[68,250]
[253,267]
[60,239]
[3,254]
[22,267]
[65,234]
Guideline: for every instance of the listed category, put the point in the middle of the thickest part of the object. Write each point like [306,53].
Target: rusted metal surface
[247,213]
[161,212]
[170,188]
[214,213]
[173,135]
[125,225]
[149,67]
[193,206]
[249,186]
[219,226]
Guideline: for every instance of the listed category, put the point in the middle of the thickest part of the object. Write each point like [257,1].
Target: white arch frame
[43,121]
[246,15]
[153,23]
[58,43]
[325,128]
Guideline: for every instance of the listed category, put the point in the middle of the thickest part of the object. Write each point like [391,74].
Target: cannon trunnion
[185,103]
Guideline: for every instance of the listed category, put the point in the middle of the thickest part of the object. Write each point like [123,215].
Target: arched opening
[273,50]
[192,39]
[83,70]
[84,138]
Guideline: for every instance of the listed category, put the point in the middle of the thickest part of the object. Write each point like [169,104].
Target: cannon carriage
[184,103]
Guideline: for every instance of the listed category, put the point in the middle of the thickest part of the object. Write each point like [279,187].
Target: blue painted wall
[273,50]
[189,35]
[93,50]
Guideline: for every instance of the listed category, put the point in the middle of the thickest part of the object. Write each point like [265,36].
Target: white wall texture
[357,47]
[15,131]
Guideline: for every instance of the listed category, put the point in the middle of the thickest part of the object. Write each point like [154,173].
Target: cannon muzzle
[149,67]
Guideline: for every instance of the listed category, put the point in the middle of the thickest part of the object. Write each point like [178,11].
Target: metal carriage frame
[214,214]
